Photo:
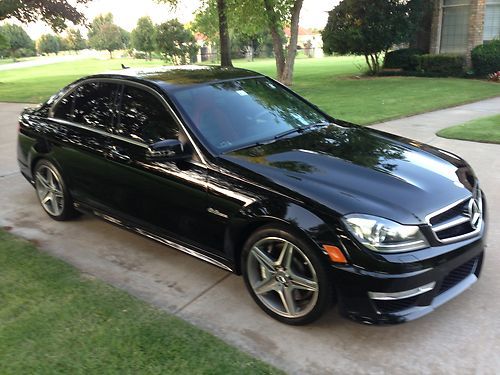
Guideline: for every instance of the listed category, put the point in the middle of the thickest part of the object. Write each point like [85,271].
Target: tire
[52,192]
[285,276]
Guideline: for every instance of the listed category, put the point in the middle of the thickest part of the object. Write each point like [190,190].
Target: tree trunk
[368,63]
[225,46]
[110,54]
[272,20]
[287,75]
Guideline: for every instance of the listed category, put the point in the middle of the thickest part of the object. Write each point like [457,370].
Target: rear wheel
[52,192]
[285,276]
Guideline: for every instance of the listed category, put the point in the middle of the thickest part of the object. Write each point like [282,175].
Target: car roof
[172,77]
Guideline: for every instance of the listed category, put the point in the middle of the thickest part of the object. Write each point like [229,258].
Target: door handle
[114,153]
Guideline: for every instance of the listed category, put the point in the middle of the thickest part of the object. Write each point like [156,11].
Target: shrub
[444,64]
[402,58]
[486,58]
[140,55]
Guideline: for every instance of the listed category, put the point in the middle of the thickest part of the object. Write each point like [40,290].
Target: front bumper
[388,298]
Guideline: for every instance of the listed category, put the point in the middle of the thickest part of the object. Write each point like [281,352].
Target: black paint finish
[209,203]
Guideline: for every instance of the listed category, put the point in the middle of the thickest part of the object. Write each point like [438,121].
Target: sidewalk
[46,60]
[424,127]
[462,336]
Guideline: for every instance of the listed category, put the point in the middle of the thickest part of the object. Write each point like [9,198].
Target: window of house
[144,118]
[491,20]
[455,25]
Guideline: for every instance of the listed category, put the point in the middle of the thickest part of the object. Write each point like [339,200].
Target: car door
[168,197]
[86,115]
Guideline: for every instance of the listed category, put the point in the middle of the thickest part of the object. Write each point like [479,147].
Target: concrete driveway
[460,337]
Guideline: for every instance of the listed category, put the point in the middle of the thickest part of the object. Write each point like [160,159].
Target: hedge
[443,64]
[404,58]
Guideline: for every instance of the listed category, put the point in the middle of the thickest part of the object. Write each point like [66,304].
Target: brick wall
[476,26]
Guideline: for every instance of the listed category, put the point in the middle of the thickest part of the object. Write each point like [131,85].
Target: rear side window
[94,104]
[64,108]
[144,118]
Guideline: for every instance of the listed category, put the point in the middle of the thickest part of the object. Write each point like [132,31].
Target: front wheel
[285,277]
[52,192]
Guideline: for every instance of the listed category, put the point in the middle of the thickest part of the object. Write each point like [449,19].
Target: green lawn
[55,320]
[36,84]
[331,83]
[486,129]
[336,84]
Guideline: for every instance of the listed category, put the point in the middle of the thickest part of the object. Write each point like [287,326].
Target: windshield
[235,114]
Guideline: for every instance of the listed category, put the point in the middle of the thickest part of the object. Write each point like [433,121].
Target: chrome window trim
[142,86]
[99,131]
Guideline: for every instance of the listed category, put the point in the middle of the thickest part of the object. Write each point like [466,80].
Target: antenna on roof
[125,67]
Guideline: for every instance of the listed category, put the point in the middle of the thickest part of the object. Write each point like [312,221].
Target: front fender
[302,221]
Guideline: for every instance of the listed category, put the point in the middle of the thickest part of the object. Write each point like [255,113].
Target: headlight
[384,235]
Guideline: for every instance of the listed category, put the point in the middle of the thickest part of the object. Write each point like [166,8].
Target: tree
[48,43]
[4,42]
[247,20]
[175,43]
[63,43]
[225,45]
[75,41]
[105,35]
[143,36]
[367,28]
[53,12]
[125,37]
[279,12]
[222,23]
[17,39]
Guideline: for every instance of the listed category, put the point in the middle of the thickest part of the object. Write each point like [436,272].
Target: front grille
[459,221]
[392,306]
[458,275]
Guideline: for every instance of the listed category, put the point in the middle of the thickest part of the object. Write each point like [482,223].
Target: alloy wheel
[282,277]
[49,190]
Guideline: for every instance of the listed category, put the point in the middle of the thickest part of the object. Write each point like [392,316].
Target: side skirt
[145,233]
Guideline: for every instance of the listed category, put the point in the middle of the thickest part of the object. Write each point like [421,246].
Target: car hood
[350,169]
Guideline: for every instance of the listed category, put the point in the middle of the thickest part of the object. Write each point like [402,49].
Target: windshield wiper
[301,129]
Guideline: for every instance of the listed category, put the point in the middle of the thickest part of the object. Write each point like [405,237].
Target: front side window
[94,104]
[233,114]
[144,118]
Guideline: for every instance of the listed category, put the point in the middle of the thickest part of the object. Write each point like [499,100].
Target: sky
[127,12]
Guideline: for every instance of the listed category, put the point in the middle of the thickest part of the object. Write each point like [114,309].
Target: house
[309,40]
[457,26]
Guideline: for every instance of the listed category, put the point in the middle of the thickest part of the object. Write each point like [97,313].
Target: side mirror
[167,150]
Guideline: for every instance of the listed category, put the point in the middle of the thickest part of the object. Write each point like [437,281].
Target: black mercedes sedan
[231,167]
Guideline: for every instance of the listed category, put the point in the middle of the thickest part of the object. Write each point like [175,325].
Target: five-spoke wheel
[51,191]
[285,277]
